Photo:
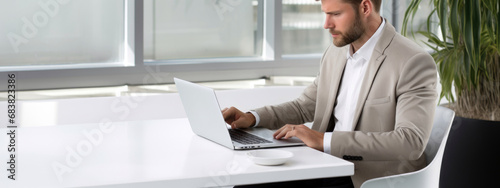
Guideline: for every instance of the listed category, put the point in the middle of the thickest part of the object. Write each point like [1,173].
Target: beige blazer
[394,114]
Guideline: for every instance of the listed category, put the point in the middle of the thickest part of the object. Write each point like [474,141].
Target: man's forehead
[332,5]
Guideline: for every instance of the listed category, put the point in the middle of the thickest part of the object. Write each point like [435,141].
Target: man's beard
[351,35]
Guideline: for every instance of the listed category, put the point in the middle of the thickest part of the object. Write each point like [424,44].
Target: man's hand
[237,119]
[311,138]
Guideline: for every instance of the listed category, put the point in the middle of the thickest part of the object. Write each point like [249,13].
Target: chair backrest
[427,177]
[443,117]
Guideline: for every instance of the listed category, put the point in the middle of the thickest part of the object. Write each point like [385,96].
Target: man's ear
[366,7]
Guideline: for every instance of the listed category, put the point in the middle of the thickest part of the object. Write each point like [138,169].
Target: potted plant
[466,49]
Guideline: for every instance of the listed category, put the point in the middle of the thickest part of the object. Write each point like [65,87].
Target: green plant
[466,53]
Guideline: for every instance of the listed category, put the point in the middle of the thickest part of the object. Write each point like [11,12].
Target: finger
[275,134]
[236,125]
[228,116]
[282,133]
[224,110]
[237,122]
[290,134]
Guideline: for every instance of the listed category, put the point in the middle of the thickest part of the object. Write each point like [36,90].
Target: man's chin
[339,43]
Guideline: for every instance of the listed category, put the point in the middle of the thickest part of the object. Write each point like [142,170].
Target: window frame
[134,70]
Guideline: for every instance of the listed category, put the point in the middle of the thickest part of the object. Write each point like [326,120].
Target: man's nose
[327,24]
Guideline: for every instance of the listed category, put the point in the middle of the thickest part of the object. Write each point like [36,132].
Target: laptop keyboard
[243,137]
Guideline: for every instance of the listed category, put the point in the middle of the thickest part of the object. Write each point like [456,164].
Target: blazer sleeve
[297,111]
[414,112]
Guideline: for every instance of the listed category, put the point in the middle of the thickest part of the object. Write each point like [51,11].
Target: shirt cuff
[257,118]
[327,138]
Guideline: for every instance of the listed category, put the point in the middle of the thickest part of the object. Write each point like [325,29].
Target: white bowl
[269,157]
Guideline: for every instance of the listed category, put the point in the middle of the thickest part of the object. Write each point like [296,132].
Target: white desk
[154,153]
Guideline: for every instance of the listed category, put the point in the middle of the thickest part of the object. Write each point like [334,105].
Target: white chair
[427,177]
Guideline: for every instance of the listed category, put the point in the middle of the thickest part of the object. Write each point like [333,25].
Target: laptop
[206,120]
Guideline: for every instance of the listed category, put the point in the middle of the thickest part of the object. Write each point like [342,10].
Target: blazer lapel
[376,60]
[336,66]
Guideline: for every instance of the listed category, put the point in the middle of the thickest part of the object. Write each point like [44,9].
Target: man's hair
[355,4]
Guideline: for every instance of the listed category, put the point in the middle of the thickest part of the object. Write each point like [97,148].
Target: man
[375,90]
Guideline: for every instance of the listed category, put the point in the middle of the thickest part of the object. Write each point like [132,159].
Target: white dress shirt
[349,89]
[352,78]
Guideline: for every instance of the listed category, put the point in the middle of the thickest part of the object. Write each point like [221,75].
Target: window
[303,31]
[394,11]
[89,43]
[207,29]
[57,32]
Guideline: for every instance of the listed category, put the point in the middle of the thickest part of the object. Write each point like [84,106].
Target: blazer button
[353,158]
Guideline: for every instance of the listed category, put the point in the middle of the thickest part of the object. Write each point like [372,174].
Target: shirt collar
[366,50]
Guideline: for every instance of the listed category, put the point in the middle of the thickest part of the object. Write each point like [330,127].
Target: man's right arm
[298,111]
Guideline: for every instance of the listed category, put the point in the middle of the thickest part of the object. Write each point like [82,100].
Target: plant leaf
[469,42]
[454,22]
[476,37]
[409,15]
[498,25]
[442,11]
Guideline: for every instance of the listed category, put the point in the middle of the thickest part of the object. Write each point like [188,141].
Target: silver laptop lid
[203,112]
